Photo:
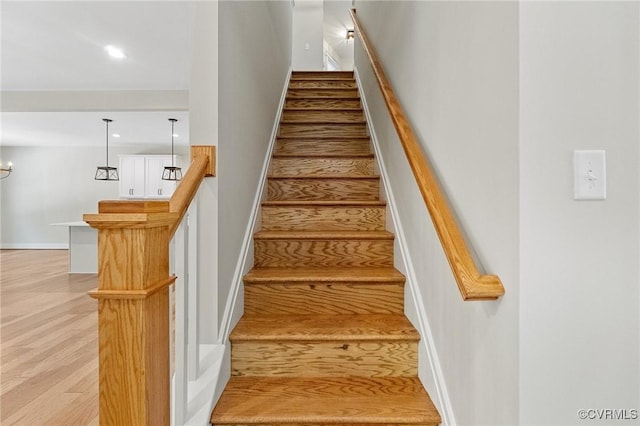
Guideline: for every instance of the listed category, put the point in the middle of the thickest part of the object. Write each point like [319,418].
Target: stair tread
[314,401]
[320,72]
[316,155]
[325,121]
[320,177]
[322,116]
[323,235]
[318,275]
[317,167]
[322,110]
[321,84]
[320,98]
[321,92]
[321,80]
[321,138]
[322,77]
[324,203]
[321,89]
[330,108]
[347,122]
[355,327]
[326,108]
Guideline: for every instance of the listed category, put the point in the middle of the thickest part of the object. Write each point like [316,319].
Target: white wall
[500,95]
[253,64]
[55,184]
[307,31]
[579,89]
[336,22]
[203,130]
[454,67]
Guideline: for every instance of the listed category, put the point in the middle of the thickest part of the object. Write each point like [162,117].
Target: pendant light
[172,172]
[106,172]
[5,171]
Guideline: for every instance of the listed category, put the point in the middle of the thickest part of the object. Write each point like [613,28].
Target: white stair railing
[185,305]
[192,302]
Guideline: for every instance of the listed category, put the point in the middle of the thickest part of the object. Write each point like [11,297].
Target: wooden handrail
[133,299]
[472,285]
[202,165]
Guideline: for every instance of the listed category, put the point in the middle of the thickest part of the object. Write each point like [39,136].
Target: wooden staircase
[323,339]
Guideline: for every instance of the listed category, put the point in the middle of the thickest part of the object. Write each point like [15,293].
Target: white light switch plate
[590,178]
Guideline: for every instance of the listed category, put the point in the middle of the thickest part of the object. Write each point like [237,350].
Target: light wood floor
[49,341]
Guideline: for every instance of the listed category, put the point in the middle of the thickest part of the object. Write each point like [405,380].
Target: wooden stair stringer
[324,340]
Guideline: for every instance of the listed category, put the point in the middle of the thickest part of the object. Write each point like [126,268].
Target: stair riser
[322,147]
[322,298]
[323,130]
[316,218]
[324,424]
[323,116]
[319,254]
[324,189]
[323,104]
[322,167]
[322,93]
[321,75]
[341,423]
[324,359]
[322,84]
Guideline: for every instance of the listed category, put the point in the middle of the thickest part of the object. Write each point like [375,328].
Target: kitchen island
[83,248]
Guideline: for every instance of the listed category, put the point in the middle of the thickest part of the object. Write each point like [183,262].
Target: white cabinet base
[83,250]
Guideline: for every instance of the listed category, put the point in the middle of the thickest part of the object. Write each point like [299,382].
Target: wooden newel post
[133,311]
[133,299]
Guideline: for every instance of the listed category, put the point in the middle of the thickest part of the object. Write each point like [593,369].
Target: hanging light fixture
[106,172]
[172,172]
[6,171]
[350,34]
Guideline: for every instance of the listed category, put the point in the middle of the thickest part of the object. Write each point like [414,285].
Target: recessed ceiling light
[175,135]
[115,52]
[116,135]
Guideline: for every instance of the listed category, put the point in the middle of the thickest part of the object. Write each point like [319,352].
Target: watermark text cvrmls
[608,414]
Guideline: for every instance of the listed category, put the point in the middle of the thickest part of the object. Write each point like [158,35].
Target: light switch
[307,46]
[590,177]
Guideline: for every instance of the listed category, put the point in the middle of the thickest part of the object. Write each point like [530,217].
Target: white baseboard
[199,391]
[224,374]
[235,303]
[432,376]
[53,246]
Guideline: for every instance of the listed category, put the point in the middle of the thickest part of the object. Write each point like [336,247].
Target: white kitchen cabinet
[132,176]
[155,187]
[141,176]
